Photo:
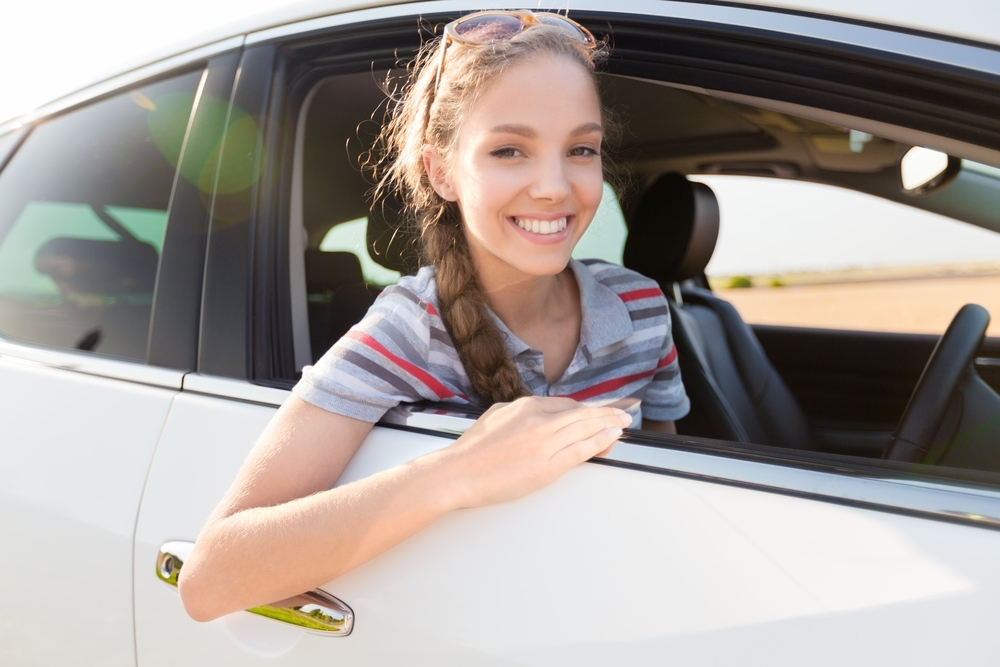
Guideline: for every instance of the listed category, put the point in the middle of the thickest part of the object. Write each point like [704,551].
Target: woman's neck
[525,301]
[543,311]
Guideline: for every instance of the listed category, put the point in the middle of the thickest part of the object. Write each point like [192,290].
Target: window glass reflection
[83,211]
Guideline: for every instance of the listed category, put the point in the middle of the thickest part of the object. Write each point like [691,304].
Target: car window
[351,237]
[804,254]
[7,143]
[605,238]
[83,211]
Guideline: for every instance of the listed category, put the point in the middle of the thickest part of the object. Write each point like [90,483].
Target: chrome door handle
[316,610]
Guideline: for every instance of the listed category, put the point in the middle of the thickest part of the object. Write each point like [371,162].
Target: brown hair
[422,116]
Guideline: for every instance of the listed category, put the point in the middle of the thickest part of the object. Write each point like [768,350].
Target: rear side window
[83,211]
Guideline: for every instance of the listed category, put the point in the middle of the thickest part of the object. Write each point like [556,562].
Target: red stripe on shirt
[430,309]
[669,359]
[607,386]
[415,371]
[617,383]
[636,294]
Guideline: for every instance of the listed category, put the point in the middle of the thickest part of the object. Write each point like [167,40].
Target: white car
[178,242]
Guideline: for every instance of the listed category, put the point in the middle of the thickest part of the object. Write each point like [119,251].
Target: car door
[657,553]
[673,549]
[98,210]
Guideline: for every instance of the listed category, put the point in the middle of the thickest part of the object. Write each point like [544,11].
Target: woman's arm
[281,530]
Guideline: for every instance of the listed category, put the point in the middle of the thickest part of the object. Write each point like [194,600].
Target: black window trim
[721,49]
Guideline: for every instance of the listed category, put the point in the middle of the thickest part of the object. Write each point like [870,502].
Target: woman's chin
[542,267]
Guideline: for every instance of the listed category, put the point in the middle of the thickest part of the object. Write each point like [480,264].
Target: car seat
[736,394]
[337,296]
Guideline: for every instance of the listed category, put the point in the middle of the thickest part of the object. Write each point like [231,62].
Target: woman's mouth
[542,227]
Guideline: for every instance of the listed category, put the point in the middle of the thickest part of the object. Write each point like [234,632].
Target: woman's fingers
[588,424]
[561,412]
[581,450]
[516,448]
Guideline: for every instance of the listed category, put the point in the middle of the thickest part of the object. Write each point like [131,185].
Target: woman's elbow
[201,602]
[196,601]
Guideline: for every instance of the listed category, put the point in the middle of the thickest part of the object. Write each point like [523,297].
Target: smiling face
[526,168]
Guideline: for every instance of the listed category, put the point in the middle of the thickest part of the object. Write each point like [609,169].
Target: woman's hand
[516,448]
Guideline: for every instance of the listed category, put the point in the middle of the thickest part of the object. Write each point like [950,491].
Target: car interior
[822,390]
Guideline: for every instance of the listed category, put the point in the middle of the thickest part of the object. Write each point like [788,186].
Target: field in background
[903,299]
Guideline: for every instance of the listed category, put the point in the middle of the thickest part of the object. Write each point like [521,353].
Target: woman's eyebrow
[525,131]
[521,130]
[587,128]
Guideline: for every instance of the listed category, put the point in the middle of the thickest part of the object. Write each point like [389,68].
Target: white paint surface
[606,566]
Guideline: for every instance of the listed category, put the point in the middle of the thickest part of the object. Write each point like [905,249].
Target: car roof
[965,20]
[974,20]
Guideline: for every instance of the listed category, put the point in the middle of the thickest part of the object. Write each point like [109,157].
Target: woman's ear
[437,173]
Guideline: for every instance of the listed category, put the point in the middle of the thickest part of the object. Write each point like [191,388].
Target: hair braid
[479,343]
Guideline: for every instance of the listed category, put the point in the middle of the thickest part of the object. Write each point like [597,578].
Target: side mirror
[924,170]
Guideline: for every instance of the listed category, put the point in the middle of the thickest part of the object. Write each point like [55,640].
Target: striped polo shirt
[401,352]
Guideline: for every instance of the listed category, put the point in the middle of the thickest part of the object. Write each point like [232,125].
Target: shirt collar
[606,318]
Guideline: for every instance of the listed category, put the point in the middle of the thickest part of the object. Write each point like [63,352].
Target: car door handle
[316,610]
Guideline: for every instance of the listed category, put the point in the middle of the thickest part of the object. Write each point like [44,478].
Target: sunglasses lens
[488,28]
[571,29]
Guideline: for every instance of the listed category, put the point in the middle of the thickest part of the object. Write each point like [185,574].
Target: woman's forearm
[263,554]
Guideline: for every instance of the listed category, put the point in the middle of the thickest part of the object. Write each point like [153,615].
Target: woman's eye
[583,151]
[507,152]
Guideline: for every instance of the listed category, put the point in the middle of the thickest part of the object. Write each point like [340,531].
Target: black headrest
[89,266]
[673,231]
[392,243]
[326,271]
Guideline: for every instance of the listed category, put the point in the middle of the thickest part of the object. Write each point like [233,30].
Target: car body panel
[606,565]
[74,451]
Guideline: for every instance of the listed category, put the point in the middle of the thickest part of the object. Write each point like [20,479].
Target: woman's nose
[551,181]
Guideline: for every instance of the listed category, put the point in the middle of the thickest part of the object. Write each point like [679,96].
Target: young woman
[495,146]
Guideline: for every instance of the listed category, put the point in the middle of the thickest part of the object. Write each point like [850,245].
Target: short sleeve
[665,398]
[381,362]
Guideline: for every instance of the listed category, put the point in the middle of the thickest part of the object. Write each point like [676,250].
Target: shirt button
[529,364]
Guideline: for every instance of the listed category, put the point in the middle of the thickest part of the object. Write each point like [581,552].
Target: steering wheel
[944,370]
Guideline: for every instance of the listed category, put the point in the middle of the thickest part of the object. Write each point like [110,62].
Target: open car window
[778,177]
[811,255]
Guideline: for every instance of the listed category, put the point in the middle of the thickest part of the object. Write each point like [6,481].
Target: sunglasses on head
[496,26]
[486,27]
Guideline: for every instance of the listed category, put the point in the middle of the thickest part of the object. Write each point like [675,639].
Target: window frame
[706,49]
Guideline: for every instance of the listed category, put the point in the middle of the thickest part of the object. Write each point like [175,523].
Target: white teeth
[542,226]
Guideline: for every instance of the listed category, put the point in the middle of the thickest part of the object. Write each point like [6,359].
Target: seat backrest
[761,400]
[736,394]
[337,296]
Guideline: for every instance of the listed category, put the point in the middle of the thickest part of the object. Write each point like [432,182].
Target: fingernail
[626,418]
[614,433]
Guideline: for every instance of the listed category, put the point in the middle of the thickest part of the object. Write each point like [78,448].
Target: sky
[51,48]
[48,49]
